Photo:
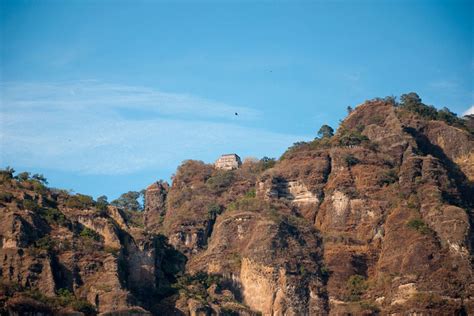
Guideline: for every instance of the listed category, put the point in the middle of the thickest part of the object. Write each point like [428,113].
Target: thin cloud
[89,127]
[469,111]
[444,84]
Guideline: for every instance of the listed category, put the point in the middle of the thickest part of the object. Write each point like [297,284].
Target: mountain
[376,219]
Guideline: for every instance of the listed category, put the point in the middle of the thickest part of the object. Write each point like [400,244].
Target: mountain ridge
[375,219]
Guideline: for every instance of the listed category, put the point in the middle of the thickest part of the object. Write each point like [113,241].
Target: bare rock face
[155,205]
[270,262]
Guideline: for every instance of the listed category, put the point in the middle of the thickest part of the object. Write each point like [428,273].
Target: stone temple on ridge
[228,162]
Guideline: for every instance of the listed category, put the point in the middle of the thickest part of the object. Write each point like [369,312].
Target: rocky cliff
[376,219]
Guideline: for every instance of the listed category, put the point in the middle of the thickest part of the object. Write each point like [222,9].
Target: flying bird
[236,113]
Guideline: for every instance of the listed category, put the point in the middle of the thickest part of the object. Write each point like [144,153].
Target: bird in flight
[236,113]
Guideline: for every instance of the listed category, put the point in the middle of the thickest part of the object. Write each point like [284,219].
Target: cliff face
[375,220]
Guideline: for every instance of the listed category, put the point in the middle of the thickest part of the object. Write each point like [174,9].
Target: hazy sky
[108,96]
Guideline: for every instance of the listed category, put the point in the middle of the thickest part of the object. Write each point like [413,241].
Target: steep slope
[376,219]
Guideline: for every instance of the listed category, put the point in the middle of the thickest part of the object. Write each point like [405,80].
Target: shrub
[195,286]
[356,286]
[6,174]
[450,117]
[45,243]
[65,297]
[266,163]
[351,160]
[79,201]
[30,205]
[418,225]
[83,307]
[40,178]
[53,216]
[248,204]
[221,181]
[213,210]
[351,138]
[38,187]
[89,234]
[367,305]
[251,193]
[6,197]
[388,177]
[325,272]
[23,176]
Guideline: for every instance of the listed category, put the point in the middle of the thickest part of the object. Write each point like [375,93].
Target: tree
[469,122]
[129,201]
[267,163]
[446,115]
[39,177]
[7,173]
[102,203]
[326,131]
[410,99]
[392,100]
[23,176]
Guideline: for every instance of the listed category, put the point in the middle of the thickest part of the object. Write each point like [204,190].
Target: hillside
[376,219]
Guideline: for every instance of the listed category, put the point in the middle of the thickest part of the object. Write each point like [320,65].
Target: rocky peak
[155,205]
[376,219]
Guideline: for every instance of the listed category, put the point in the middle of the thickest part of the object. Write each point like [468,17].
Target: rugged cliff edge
[377,219]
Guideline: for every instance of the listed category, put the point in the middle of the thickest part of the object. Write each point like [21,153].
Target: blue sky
[108,96]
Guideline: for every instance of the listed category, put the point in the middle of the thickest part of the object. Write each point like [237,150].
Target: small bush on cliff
[31,205]
[80,201]
[90,234]
[195,286]
[351,160]
[388,177]
[6,174]
[23,176]
[418,225]
[53,216]
[356,286]
[221,181]
[65,298]
[350,138]
[266,163]
[6,197]
[213,210]
[45,243]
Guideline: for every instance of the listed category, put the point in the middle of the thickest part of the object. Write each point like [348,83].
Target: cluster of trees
[22,176]
[413,103]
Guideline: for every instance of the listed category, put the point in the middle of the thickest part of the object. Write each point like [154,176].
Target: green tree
[7,173]
[410,99]
[266,163]
[23,176]
[129,201]
[102,203]
[39,177]
[449,117]
[326,131]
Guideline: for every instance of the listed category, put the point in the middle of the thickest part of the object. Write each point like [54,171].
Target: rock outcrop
[374,220]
